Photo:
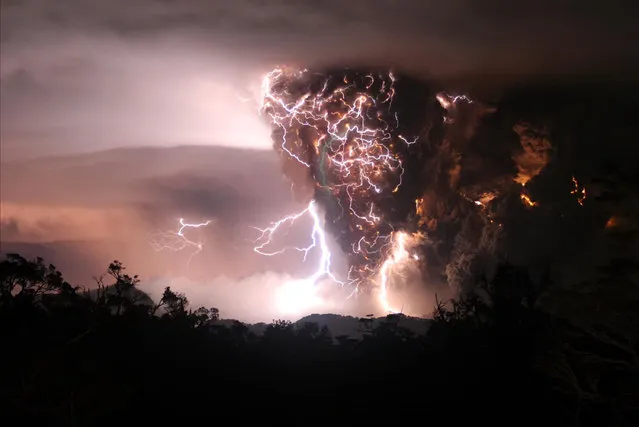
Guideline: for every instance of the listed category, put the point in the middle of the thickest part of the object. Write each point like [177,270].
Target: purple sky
[80,75]
[83,76]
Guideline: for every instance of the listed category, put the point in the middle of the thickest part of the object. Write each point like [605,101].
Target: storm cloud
[80,75]
[155,79]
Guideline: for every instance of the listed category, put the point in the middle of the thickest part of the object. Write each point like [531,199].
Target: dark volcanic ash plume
[405,175]
[363,138]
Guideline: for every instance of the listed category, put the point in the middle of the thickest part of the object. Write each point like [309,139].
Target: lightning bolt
[353,140]
[449,103]
[318,240]
[356,154]
[176,240]
[398,255]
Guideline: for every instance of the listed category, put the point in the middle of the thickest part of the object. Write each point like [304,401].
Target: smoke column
[362,138]
[416,188]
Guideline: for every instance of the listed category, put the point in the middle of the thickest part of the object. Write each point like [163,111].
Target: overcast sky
[81,76]
[91,74]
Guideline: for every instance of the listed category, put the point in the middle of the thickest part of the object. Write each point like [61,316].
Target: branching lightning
[344,130]
[448,103]
[177,240]
[318,240]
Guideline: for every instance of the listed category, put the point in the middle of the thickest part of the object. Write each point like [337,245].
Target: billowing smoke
[363,139]
[409,191]
[406,179]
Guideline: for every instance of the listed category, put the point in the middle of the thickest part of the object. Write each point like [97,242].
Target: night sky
[119,117]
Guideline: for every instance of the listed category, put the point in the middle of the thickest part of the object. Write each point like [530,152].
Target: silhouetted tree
[93,359]
[28,281]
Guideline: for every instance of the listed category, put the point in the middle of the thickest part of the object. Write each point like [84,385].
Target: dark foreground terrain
[73,358]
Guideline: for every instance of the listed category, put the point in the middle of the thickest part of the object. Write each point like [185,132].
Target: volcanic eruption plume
[364,153]
[405,180]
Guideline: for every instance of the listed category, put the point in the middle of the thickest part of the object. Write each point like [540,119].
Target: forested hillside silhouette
[111,355]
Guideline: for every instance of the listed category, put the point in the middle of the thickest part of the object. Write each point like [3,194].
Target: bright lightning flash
[176,240]
[398,255]
[318,240]
[344,130]
[449,103]
[297,294]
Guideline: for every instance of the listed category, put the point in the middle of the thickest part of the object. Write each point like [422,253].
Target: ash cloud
[581,131]
[112,200]
[497,184]
[456,36]
[438,171]
[82,76]
[362,138]
[85,75]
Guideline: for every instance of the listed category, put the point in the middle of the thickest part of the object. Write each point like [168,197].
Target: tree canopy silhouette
[108,354]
